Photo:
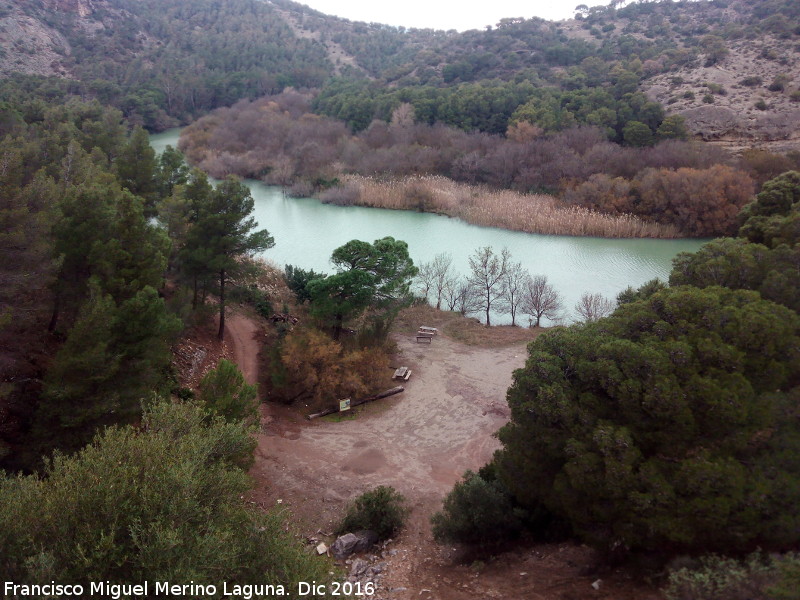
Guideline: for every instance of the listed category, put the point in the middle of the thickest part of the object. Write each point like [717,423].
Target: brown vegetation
[316,369]
[531,213]
[700,202]
[278,140]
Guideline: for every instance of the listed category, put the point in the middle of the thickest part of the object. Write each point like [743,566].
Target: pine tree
[223,232]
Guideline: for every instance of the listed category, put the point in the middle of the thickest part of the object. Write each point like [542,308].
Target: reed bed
[531,213]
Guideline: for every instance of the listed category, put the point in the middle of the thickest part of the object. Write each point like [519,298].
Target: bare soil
[420,442]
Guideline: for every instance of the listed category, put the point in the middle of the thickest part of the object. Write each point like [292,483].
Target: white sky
[446,14]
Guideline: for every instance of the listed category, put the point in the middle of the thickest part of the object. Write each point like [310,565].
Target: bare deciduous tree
[540,299]
[468,298]
[488,270]
[424,280]
[442,266]
[592,307]
[513,290]
[433,277]
[451,292]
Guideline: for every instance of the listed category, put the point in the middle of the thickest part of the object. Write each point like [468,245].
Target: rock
[596,584]
[322,548]
[344,545]
[366,540]
[358,568]
[379,568]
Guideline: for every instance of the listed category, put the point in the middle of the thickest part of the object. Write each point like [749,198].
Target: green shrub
[720,578]
[757,577]
[761,105]
[688,95]
[788,584]
[751,81]
[478,512]
[160,502]
[708,99]
[382,510]
[224,392]
[779,83]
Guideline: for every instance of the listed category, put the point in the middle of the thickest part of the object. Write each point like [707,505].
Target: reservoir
[307,231]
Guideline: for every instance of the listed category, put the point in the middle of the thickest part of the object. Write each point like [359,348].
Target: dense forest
[665,427]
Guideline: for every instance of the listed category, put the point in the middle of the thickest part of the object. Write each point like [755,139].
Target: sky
[446,14]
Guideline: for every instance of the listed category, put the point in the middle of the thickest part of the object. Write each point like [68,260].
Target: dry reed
[530,213]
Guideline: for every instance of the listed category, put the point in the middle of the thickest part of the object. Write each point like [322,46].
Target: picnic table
[402,373]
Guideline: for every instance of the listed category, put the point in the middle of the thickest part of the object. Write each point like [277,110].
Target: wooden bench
[400,372]
[431,330]
[426,338]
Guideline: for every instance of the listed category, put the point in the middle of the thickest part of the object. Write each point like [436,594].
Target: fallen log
[386,394]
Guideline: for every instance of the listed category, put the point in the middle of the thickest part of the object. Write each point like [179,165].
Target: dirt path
[242,334]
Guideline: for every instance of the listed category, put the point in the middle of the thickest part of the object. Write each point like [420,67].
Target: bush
[761,105]
[779,83]
[381,510]
[162,502]
[224,392]
[478,512]
[721,578]
[751,81]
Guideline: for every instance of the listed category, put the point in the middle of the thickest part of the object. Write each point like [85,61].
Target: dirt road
[242,335]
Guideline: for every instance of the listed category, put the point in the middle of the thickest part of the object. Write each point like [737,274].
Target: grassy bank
[530,213]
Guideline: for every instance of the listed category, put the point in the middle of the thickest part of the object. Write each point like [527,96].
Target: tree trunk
[221,333]
[386,394]
[337,328]
[56,309]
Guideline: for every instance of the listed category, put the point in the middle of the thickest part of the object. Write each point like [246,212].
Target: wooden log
[386,394]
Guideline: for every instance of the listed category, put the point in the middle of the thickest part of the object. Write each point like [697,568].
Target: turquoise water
[307,231]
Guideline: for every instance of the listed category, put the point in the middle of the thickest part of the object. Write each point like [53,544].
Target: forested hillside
[729,67]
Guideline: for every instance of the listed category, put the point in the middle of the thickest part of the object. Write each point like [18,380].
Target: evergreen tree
[77,396]
[137,169]
[224,392]
[659,427]
[172,170]
[113,357]
[222,233]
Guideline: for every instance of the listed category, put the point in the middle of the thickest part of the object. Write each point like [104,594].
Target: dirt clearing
[420,442]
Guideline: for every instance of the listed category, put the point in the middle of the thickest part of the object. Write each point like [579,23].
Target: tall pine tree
[223,232]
